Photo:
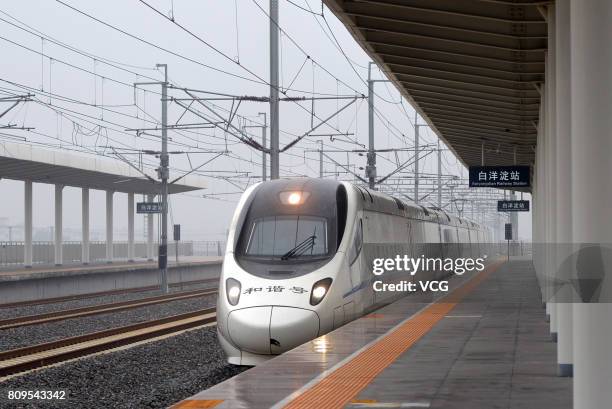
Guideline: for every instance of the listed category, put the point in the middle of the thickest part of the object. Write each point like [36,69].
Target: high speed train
[299,255]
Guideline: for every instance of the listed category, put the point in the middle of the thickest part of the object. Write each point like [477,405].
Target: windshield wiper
[301,248]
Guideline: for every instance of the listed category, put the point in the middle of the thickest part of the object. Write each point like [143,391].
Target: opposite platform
[48,283]
[486,345]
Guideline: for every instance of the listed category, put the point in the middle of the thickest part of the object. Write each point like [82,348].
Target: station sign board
[508,231]
[513,205]
[500,176]
[148,207]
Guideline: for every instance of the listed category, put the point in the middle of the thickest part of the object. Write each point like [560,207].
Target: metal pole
[321,160]
[27,224]
[150,252]
[439,176]
[264,158]
[416,160]
[274,120]
[85,223]
[163,173]
[371,166]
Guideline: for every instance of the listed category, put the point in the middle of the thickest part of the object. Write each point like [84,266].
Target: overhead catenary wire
[139,109]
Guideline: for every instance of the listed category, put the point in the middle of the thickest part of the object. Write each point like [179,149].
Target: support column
[130,249]
[563,183]
[85,225]
[57,244]
[539,217]
[551,213]
[150,216]
[274,102]
[109,226]
[591,144]
[27,224]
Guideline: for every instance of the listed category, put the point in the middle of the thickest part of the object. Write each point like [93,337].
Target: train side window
[355,249]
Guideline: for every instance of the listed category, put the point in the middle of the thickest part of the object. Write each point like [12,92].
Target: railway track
[101,309]
[103,293]
[38,356]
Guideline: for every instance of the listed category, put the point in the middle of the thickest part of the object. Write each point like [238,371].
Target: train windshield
[288,237]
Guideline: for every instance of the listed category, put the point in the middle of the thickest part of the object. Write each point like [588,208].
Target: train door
[357,275]
[409,242]
[355,262]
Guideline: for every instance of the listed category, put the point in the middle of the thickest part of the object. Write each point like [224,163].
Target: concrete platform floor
[493,350]
[490,350]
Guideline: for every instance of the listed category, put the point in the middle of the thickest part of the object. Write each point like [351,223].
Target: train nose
[271,329]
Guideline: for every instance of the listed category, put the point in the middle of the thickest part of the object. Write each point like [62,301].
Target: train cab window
[399,203]
[297,236]
[341,207]
[357,244]
[369,194]
[425,210]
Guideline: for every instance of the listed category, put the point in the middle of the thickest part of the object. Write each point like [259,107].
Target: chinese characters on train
[275,289]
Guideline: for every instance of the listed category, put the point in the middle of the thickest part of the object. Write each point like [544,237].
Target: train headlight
[232,289]
[293,198]
[319,289]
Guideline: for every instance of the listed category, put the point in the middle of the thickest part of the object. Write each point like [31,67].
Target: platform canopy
[472,68]
[44,165]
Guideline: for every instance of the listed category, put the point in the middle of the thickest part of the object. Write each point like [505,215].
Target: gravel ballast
[36,334]
[151,375]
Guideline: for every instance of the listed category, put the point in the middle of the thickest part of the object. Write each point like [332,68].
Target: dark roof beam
[487,134]
[453,7]
[502,34]
[476,113]
[446,102]
[517,57]
[485,119]
[464,76]
[521,128]
[457,91]
[406,61]
[481,43]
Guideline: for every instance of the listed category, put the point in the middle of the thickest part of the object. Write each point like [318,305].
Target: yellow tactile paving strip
[197,404]
[341,386]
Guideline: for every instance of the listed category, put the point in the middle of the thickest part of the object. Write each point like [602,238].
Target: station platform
[22,273]
[47,283]
[485,344]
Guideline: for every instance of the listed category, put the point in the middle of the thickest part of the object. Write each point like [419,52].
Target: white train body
[273,298]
